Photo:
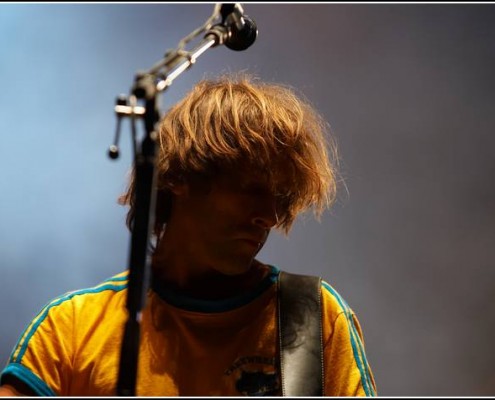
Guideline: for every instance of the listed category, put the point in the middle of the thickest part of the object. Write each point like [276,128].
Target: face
[223,227]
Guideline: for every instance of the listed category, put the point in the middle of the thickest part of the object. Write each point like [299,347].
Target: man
[237,158]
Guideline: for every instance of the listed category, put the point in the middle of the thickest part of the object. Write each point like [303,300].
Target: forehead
[277,176]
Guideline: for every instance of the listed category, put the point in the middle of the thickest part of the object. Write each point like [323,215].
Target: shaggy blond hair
[237,120]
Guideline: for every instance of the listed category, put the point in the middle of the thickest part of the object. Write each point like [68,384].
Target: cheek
[213,221]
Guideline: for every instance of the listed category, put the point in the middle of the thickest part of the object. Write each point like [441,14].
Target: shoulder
[60,330]
[342,332]
[83,301]
[307,285]
[299,286]
[58,317]
[332,300]
[110,290]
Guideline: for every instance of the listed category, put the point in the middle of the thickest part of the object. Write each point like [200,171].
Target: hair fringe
[235,119]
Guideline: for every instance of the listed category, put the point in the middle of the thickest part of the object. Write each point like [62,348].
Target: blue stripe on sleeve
[29,378]
[118,278]
[361,349]
[56,303]
[365,380]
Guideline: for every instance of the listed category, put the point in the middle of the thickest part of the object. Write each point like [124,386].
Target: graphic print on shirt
[255,376]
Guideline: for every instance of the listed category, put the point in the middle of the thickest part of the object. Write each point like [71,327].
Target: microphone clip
[237,31]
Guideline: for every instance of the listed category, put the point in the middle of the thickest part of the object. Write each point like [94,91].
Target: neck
[175,267]
[212,286]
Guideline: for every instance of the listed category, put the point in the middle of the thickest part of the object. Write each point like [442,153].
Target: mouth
[257,244]
[253,242]
[253,239]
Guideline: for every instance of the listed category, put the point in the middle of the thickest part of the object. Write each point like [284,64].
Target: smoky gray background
[409,92]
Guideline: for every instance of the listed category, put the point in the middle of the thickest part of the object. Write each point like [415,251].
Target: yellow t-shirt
[188,347]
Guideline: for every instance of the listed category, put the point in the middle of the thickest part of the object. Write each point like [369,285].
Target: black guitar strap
[300,333]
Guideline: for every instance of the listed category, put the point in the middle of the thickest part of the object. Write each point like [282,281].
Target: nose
[265,213]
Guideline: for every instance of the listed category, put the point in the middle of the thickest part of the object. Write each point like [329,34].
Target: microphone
[241,30]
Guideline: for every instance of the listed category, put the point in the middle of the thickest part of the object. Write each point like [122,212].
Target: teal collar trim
[187,303]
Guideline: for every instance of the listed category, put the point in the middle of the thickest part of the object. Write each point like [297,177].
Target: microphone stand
[237,35]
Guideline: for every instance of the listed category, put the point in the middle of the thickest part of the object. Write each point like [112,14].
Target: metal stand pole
[237,32]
